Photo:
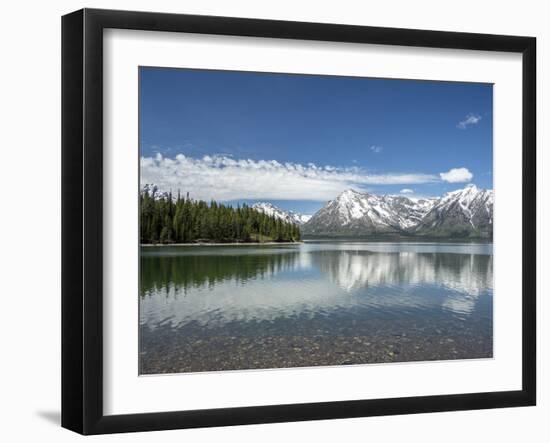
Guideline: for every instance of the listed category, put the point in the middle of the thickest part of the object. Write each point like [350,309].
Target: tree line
[165,219]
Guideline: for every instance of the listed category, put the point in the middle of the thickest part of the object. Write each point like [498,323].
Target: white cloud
[224,178]
[470,119]
[406,191]
[457,175]
[376,149]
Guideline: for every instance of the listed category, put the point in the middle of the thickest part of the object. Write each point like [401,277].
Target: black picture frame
[82,218]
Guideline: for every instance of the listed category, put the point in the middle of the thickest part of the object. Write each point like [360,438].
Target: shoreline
[321,240]
[149,245]
[418,239]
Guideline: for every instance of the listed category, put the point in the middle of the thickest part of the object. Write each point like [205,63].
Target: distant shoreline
[325,239]
[273,243]
[400,239]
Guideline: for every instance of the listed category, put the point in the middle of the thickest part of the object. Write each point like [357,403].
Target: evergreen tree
[165,219]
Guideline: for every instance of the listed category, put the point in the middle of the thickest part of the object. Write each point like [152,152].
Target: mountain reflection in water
[220,289]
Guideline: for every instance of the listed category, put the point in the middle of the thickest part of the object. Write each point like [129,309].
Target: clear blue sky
[376,135]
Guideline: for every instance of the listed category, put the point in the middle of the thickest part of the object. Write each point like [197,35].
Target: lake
[210,308]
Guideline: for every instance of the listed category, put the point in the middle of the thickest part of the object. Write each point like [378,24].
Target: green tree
[166,219]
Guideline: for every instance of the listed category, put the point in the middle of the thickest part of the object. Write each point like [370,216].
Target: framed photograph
[269,221]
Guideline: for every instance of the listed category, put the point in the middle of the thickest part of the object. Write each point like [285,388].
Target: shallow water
[325,303]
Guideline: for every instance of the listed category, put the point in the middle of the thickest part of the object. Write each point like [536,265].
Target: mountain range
[465,213]
[287,216]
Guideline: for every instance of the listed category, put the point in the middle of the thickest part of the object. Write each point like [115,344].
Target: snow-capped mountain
[154,191]
[356,213]
[464,213]
[408,212]
[287,216]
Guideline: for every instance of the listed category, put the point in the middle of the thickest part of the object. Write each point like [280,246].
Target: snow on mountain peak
[287,216]
[357,213]
[383,210]
[154,191]
[349,193]
[469,208]
[467,195]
